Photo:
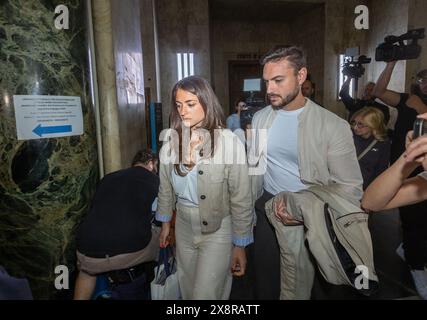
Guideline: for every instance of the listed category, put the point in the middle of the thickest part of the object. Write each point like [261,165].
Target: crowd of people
[261,186]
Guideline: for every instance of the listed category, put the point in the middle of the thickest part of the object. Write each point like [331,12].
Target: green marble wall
[45,185]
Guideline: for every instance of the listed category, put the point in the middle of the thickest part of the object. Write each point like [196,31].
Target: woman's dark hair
[214,114]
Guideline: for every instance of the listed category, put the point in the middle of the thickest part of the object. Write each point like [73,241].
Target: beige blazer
[337,234]
[223,188]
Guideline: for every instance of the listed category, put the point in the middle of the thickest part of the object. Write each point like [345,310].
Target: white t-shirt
[240,133]
[186,187]
[282,154]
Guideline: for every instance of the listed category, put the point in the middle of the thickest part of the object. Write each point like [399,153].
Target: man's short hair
[144,157]
[295,55]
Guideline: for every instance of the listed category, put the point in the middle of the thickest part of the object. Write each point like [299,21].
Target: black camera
[254,104]
[394,48]
[353,68]
[420,128]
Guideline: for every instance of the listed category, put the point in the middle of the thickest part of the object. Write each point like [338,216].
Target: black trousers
[414,234]
[266,255]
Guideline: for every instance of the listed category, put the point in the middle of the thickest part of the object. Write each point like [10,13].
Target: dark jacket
[373,163]
[404,123]
[119,220]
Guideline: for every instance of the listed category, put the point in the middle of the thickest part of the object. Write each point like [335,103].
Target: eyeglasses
[421,80]
[358,124]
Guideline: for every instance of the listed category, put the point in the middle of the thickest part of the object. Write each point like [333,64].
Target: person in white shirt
[233,120]
[393,189]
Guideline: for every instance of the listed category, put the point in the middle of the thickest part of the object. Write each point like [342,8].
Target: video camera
[254,104]
[353,68]
[394,48]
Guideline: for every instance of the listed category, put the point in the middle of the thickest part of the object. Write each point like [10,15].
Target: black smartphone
[420,128]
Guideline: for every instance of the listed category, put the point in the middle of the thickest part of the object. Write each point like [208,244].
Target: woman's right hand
[282,215]
[164,234]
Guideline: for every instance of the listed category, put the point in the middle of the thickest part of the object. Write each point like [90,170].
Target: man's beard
[286,100]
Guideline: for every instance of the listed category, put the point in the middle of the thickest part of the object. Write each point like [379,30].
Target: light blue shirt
[186,187]
[282,154]
[233,122]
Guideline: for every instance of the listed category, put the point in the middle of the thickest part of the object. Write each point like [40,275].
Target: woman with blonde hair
[372,144]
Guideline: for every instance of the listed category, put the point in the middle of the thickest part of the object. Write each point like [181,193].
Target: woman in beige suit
[203,173]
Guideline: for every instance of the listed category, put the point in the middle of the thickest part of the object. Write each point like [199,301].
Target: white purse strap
[360,156]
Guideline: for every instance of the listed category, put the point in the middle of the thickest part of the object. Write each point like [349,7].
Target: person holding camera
[408,105]
[413,217]
[403,190]
[367,100]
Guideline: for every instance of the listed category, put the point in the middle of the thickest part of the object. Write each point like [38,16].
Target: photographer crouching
[409,105]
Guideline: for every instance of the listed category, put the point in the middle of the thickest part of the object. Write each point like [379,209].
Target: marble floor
[393,273]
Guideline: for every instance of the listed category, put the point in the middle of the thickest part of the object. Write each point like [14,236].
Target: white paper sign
[39,117]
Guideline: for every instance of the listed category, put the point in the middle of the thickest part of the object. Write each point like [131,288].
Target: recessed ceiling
[260,10]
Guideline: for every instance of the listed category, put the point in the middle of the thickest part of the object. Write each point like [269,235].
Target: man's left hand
[283,215]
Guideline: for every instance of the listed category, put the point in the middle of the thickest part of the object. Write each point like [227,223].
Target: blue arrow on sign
[39,130]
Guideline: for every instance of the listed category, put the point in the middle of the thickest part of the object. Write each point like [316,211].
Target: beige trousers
[296,269]
[203,260]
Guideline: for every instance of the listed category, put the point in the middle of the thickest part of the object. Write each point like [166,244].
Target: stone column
[106,72]
[45,185]
[117,32]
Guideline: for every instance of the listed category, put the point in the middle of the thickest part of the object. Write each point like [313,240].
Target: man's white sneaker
[400,252]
